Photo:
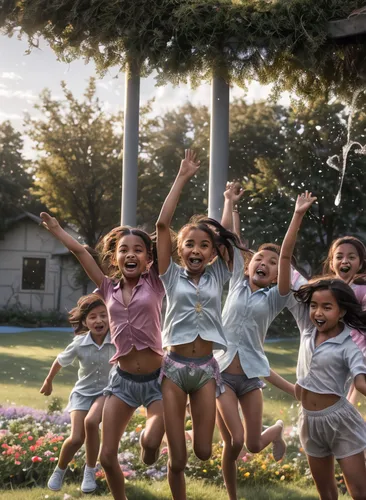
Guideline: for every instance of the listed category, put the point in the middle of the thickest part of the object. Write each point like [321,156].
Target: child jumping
[192,327]
[133,295]
[329,426]
[93,349]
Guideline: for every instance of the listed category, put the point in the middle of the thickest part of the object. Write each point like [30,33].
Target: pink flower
[36,459]
[17,462]
[32,448]
[52,459]
[30,438]
[164,451]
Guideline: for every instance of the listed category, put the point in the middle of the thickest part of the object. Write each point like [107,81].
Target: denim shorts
[190,374]
[79,402]
[135,390]
[338,430]
[241,384]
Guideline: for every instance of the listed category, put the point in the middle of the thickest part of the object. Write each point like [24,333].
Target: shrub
[21,316]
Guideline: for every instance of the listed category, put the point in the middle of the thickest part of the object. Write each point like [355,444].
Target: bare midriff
[140,362]
[313,401]
[235,367]
[196,349]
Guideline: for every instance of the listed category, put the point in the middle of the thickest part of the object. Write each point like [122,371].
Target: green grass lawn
[197,490]
[25,359]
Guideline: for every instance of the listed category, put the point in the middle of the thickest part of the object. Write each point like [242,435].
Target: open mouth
[195,262]
[320,322]
[130,266]
[260,272]
[99,328]
[345,269]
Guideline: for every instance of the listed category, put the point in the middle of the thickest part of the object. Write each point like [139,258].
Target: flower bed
[30,442]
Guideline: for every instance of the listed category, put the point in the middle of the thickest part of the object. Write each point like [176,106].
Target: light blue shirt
[94,366]
[325,369]
[194,309]
[246,319]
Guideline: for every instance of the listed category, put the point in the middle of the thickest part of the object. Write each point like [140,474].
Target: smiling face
[97,321]
[345,262]
[263,269]
[196,251]
[132,256]
[325,312]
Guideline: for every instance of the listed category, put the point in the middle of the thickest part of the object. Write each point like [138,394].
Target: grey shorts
[79,402]
[241,384]
[338,430]
[190,374]
[135,390]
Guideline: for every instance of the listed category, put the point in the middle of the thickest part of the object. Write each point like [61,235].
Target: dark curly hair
[354,317]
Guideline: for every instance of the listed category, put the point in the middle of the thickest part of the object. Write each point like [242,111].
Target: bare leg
[174,401]
[322,470]
[75,441]
[116,415]
[354,471]
[203,412]
[232,433]
[256,440]
[153,433]
[92,440]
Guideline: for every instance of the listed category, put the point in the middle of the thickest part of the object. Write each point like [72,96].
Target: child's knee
[76,441]
[253,445]
[107,458]
[203,452]
[91,425]
[177,465]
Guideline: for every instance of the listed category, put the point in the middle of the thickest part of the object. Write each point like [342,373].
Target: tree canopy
[286,42]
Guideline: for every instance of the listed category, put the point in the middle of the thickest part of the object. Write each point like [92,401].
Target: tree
[78,171]
[15,180]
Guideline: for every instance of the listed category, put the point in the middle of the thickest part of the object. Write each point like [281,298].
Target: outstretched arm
[281,383]
[188,169]
[81,253]
[46,388]
[303,203]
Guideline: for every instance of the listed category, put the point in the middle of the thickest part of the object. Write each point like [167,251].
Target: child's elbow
[161,225]
[360,383]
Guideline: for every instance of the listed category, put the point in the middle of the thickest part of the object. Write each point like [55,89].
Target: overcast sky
[23,77]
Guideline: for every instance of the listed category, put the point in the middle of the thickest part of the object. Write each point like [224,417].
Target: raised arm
[188,169]
[232,196]
[303,203]
[46,388]
[81,253]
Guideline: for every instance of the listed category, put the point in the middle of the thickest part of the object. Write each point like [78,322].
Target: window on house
[34,274]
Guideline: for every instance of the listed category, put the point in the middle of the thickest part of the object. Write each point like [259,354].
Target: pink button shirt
[358,337]
[138,324]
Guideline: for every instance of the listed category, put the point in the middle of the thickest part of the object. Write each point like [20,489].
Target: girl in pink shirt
[133,294]
[346,260]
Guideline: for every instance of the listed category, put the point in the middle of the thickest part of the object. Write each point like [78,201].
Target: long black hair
[354,317]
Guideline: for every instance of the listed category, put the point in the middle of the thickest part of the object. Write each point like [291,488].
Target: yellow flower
[247,474]
[286,466]
[282,478]
[211,462]
[204,470]
[264,467]
[358,404]
[277,473]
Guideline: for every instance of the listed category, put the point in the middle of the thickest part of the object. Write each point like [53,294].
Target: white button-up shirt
[194,309]
[246,319]
[94,366]
[326,369]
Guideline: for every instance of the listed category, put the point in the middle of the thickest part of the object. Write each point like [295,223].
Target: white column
[130,149]
[219,146]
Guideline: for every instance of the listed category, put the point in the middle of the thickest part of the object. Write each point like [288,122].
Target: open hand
[189,165]
[304,202]
[49,222]
[234,192]
[46,388]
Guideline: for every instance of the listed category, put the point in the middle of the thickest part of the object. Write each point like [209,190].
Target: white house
[36,271]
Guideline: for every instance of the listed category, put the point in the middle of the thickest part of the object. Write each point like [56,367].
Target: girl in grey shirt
[93,349]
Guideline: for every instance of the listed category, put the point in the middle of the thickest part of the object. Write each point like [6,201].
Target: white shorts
[338,430]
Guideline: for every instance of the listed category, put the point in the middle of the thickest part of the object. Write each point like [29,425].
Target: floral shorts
[190,374]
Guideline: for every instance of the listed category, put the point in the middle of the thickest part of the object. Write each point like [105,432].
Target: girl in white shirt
[93,348]
[329,426]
